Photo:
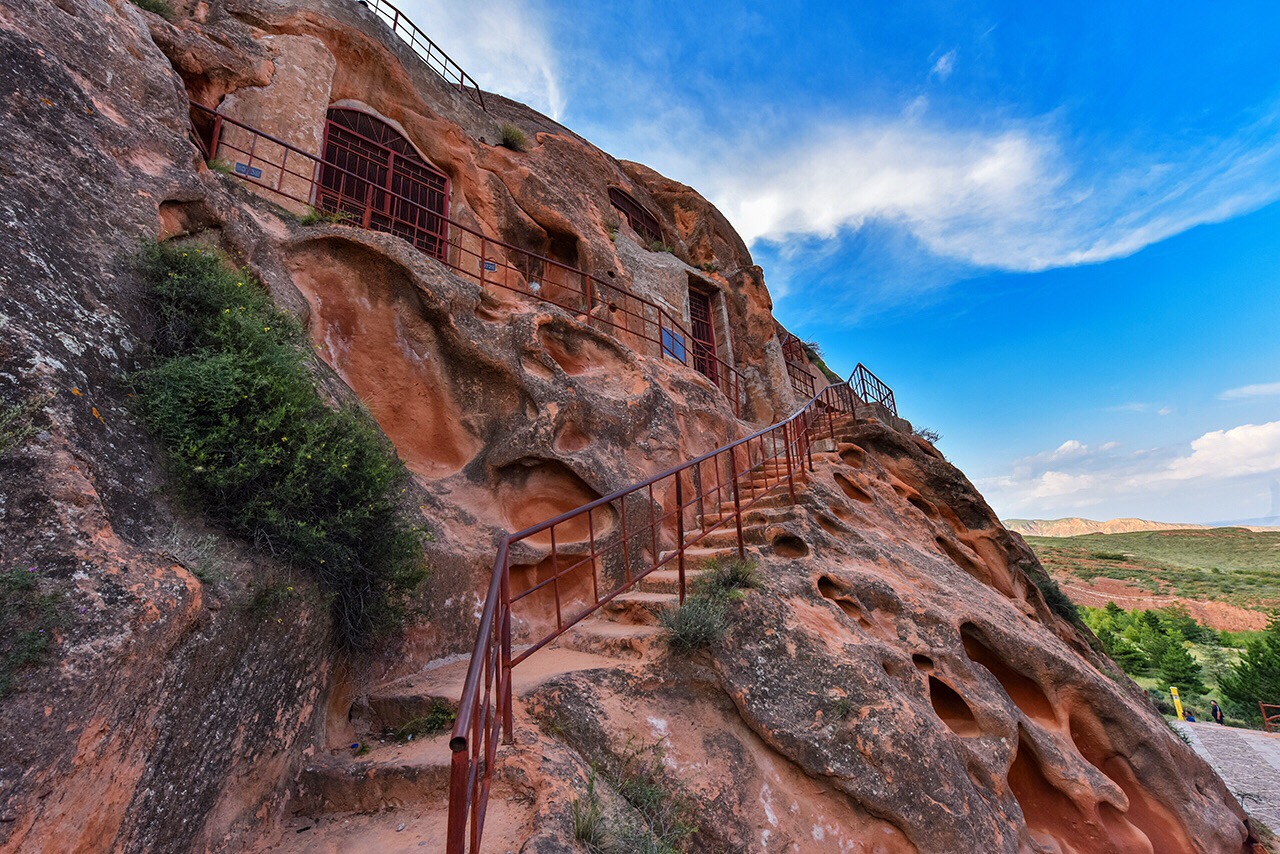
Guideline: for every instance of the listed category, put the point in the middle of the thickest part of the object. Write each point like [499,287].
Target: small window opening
[638,217]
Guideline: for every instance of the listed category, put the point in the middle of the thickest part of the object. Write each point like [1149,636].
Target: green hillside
[1229,564]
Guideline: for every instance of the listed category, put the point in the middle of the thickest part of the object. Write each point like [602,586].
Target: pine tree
[1257,677]
[1177,667]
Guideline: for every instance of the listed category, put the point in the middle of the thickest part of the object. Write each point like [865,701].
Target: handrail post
[456,840]
[808,442]
[680,533]
[504,628]
[217,137]
[737,501]
[786,446]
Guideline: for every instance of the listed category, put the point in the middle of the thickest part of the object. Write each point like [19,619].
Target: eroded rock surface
[899,683]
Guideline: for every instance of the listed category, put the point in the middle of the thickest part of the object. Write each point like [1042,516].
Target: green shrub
[250,441]
[512,137]
[1058,602]
[660,246]
[315,216]
[1116,556]
[439,717]
[16,425]
[160,7]
[721,575]
[27,620]
[697,624]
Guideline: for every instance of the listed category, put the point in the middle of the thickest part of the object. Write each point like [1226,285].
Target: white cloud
[1165,410]
[504,44]
[945,65]
[1260,390]
[1075,475]
[1245,450]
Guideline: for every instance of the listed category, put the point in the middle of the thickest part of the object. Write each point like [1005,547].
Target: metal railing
[550,577]
[286,170]
[427,50]
[1270,719]
[872,389]
[802,382]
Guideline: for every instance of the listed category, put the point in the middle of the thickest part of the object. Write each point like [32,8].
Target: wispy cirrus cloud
[1247,391]
[945,65]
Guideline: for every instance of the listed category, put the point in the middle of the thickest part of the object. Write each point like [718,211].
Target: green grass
[160,7]
[697,624]
[28,618]
[512,137]
[253,446]
[1231,565]
[439,718]
[16,422]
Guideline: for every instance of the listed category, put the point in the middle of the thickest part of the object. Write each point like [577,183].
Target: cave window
[638,217]
[375,176]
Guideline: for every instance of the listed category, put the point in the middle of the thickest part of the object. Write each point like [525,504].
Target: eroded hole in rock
[1051,816]
[852,490]
[1162,828]
[832,591]
[571,439]
[922,662]
[964,560]
[789,546]
[1025,692]
[536,613]
[952,709]
[532,491]
[919,502]
[852,455]
[178,218]
[826,523]
[578,353]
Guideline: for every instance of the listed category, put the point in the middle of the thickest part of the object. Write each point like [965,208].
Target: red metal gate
[703,332]
[375,176]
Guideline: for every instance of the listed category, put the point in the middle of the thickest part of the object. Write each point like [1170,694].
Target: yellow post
[1177,703]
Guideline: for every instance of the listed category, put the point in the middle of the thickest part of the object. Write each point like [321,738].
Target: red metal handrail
[1272,719]
[550,577]
[427,50]
[284,169]
[872,389]
[802,382]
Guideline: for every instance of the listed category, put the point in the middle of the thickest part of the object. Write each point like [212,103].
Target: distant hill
[1074,526]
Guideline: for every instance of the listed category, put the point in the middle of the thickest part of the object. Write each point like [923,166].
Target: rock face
[898,684]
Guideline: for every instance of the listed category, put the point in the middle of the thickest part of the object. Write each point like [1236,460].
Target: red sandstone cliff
[898,684]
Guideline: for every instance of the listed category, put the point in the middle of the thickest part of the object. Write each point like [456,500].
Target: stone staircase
[341,794]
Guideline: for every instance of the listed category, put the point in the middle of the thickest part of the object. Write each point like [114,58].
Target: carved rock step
[389,776]
[612,639]
[638,608]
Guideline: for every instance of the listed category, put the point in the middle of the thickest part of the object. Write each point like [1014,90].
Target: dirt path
[1249,762]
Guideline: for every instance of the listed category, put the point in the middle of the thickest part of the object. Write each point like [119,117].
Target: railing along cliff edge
[427,50]
[557,573]
[269,163]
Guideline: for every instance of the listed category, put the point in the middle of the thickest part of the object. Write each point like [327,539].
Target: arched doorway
[374,175]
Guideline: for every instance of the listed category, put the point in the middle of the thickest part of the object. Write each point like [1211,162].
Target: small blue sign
[491,266]
[247,170]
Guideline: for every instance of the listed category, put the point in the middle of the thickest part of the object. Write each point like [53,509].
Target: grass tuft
[439,718]
[28,618]
[697,624]
[250,441]
[722,575]
[16,424]
[163,8]
[512,137]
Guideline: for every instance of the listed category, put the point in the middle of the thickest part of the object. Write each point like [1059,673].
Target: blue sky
[1052,228]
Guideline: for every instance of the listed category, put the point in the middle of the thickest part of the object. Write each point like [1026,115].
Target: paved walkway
[1249,762]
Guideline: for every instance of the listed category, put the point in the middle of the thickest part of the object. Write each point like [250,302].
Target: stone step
[696,556]
[638,608]
[728,536]
[389,776]
[668,580]
[615,640]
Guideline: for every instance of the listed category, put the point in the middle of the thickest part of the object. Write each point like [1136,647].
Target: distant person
[1187,716]
[1216,711]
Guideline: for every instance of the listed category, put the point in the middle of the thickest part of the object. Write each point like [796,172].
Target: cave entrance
[372,174]
[702,329]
